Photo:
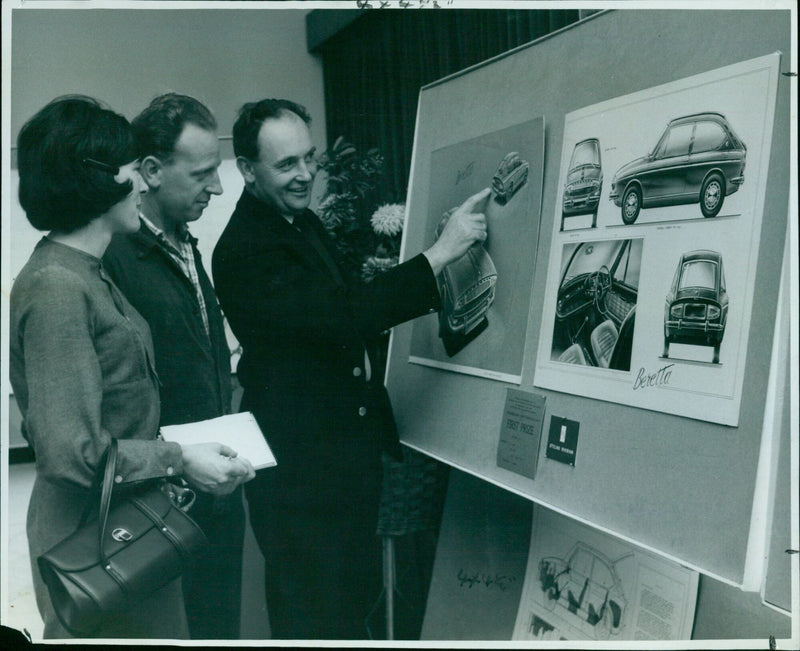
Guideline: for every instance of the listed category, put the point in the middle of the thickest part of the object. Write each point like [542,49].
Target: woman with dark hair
[80,356]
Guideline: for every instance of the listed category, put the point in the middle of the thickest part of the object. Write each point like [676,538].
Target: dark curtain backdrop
[375,67]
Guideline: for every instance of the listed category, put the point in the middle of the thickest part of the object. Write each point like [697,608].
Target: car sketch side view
[584,182]
[696,308]
[698,158]
[467,288]
[511,175]
[586,585]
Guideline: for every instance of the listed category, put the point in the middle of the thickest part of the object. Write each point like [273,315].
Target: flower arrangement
[367,231]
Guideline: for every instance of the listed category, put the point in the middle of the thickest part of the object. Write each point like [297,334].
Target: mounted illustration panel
[681,486]
[649,293]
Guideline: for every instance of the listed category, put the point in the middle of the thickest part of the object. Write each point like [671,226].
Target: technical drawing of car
[467,288]
[698,158]
[596,304]
[586,585]
[511,175]
[696,307]
[584,182]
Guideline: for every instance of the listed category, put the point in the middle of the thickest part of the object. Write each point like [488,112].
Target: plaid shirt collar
[184,236]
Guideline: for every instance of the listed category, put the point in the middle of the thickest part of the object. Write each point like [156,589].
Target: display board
[682,486]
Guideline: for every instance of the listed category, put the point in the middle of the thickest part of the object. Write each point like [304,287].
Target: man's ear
[245,169]
[150,170]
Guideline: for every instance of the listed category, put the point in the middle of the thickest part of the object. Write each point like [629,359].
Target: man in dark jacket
[307,331]
[160,272]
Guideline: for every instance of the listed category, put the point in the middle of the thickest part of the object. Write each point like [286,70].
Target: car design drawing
[696,308]
[511,175]
[596,304]
[587,586]
[698,158]
[584,182]
[467,289]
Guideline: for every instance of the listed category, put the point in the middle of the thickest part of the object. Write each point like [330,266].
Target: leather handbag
[136,546]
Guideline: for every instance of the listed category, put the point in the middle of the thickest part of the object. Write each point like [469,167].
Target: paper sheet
[583,584]
[238,431]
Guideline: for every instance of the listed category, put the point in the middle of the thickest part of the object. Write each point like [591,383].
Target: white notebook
[238,431]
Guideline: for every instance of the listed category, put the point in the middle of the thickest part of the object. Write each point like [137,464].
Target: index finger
[475,199]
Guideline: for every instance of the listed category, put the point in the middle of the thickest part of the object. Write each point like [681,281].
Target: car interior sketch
[584,586]
[596,304]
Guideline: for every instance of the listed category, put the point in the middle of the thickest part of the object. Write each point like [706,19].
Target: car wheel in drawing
[666,348]
[716,354]
[712,195]
[631,204]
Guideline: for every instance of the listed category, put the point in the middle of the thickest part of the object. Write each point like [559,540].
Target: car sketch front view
[511,175]
[584,182]
[467,288]
[596,303]
[586,585]
[698,158]
[696,308]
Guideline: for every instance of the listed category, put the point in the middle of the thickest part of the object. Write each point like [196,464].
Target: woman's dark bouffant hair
[59,190]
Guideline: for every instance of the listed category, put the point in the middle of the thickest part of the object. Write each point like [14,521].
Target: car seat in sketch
[696,306]
[511,175]
[586,588]
[584,182]
[467,288]
[596,305]
[698,159]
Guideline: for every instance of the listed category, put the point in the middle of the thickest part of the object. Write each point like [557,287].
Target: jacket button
[118,479]
[357,371]
[170,470]
[362,411]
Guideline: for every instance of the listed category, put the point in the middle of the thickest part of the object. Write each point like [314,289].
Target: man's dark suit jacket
[303,335]
[302,368]
[194,369]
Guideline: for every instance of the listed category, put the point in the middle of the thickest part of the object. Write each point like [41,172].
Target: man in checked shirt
[160,272]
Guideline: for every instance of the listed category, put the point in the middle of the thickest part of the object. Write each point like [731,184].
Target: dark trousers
[322,566]
[212,591]
[314,517]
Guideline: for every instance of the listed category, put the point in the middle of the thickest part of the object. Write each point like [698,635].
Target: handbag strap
[105,497]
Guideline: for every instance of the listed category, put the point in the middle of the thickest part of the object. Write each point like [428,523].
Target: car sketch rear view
[584,182]
[585,585]
[696,308]
[698,158]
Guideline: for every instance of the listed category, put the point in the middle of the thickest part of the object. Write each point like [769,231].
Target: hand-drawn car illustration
[596,304]
[586,585]
[467,288]
[696,308]
[511,175]
[584,181]
[698,158]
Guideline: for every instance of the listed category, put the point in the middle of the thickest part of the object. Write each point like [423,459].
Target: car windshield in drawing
[467,288]
[586,586]
[596,303]
[696,308]
[698,159]
[584,182]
